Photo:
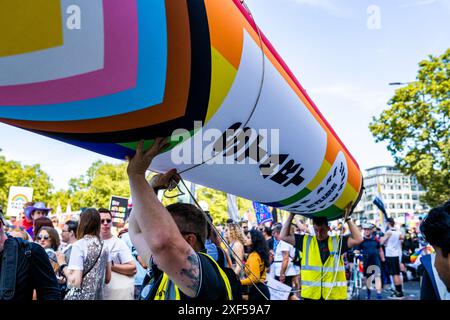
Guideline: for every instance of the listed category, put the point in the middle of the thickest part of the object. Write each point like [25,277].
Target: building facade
[400,194]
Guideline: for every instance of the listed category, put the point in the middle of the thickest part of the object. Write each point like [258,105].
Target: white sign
[278,290]
[18,196]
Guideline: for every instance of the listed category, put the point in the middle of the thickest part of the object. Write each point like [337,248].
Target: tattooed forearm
[192,272]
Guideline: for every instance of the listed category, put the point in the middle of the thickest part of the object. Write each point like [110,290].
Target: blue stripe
[149,91]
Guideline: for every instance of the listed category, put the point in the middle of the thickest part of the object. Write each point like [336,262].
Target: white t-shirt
[118,250]
[393,244]
[78,254]
[278,258]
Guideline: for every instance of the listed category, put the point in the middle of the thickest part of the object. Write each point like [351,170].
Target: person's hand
[163,181]
[139,164]
[282,278]
[61,258]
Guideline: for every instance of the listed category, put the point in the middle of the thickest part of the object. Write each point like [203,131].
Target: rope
[261,84]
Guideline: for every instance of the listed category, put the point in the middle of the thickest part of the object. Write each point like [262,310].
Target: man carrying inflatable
[173,237]
[322,266]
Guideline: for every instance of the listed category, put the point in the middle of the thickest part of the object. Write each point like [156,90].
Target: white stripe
[324,284]
[325,269]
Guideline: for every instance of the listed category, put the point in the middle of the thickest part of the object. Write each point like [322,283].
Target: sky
[343,52]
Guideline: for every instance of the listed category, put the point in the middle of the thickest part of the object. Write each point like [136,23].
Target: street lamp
[400,83]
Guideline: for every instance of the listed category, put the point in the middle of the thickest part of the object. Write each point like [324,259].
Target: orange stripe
[333,145]
[226,29]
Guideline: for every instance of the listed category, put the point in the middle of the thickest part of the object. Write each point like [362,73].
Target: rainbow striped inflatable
[103,74]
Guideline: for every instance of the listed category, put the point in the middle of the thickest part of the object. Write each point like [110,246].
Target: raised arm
[285,233]
[159,233]
[355,238]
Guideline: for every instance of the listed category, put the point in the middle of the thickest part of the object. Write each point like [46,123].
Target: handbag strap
[95,262]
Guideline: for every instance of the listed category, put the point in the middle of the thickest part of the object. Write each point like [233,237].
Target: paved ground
[411,289]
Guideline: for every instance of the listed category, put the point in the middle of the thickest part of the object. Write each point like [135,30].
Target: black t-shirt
[33,272]
[323,246]
[212,286]
[370,247]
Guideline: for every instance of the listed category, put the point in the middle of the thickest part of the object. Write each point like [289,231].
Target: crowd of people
[178,252]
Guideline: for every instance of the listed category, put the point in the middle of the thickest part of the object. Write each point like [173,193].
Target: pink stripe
[119,74]
[291,75]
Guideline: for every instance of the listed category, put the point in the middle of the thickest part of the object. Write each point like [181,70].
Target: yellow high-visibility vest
[167,290]
[319,279]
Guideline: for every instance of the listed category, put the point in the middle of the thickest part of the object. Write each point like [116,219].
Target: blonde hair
[235,233]
[19,233]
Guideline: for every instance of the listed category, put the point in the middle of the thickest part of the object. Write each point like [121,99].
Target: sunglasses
[42,237]
[108,221]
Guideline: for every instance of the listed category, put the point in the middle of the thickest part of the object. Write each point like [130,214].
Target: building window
[405,180]
[384,196]
[406,196]
[398,187]
[391,196]
[414,197]
[399,196]
[399,206]
[391,206]
[390,187]
[389,180]
[407,206]
[414,187]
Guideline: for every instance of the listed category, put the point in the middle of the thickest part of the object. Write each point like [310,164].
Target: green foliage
[417,129]
[101,181]
[95,188]
[13,173]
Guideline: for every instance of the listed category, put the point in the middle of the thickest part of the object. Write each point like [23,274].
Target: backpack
[8,283]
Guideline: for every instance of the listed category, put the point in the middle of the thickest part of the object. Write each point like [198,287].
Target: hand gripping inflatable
[103,74]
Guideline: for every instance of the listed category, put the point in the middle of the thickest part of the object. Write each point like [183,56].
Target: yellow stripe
[348,195]
[27,26]
[321,174]
[222,78]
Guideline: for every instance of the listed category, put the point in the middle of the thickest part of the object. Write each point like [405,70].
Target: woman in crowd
[38,224]
[48,238]
[236,241]
[256,266]
[89,266]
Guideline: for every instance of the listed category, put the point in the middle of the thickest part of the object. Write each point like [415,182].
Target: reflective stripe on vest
[322,280]
[167,290]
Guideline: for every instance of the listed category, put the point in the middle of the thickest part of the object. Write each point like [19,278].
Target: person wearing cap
[372,254]
[25,267]
[322,266]
[34,212]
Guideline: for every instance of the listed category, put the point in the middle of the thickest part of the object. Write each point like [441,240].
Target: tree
[13,173]
[416,128]
[101,181]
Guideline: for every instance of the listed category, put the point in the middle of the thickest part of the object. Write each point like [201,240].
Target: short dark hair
[391,221]
[189,219]
[319,221]
[277,228]
[72,225]
[268,231]
[436,227]
[104,210]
